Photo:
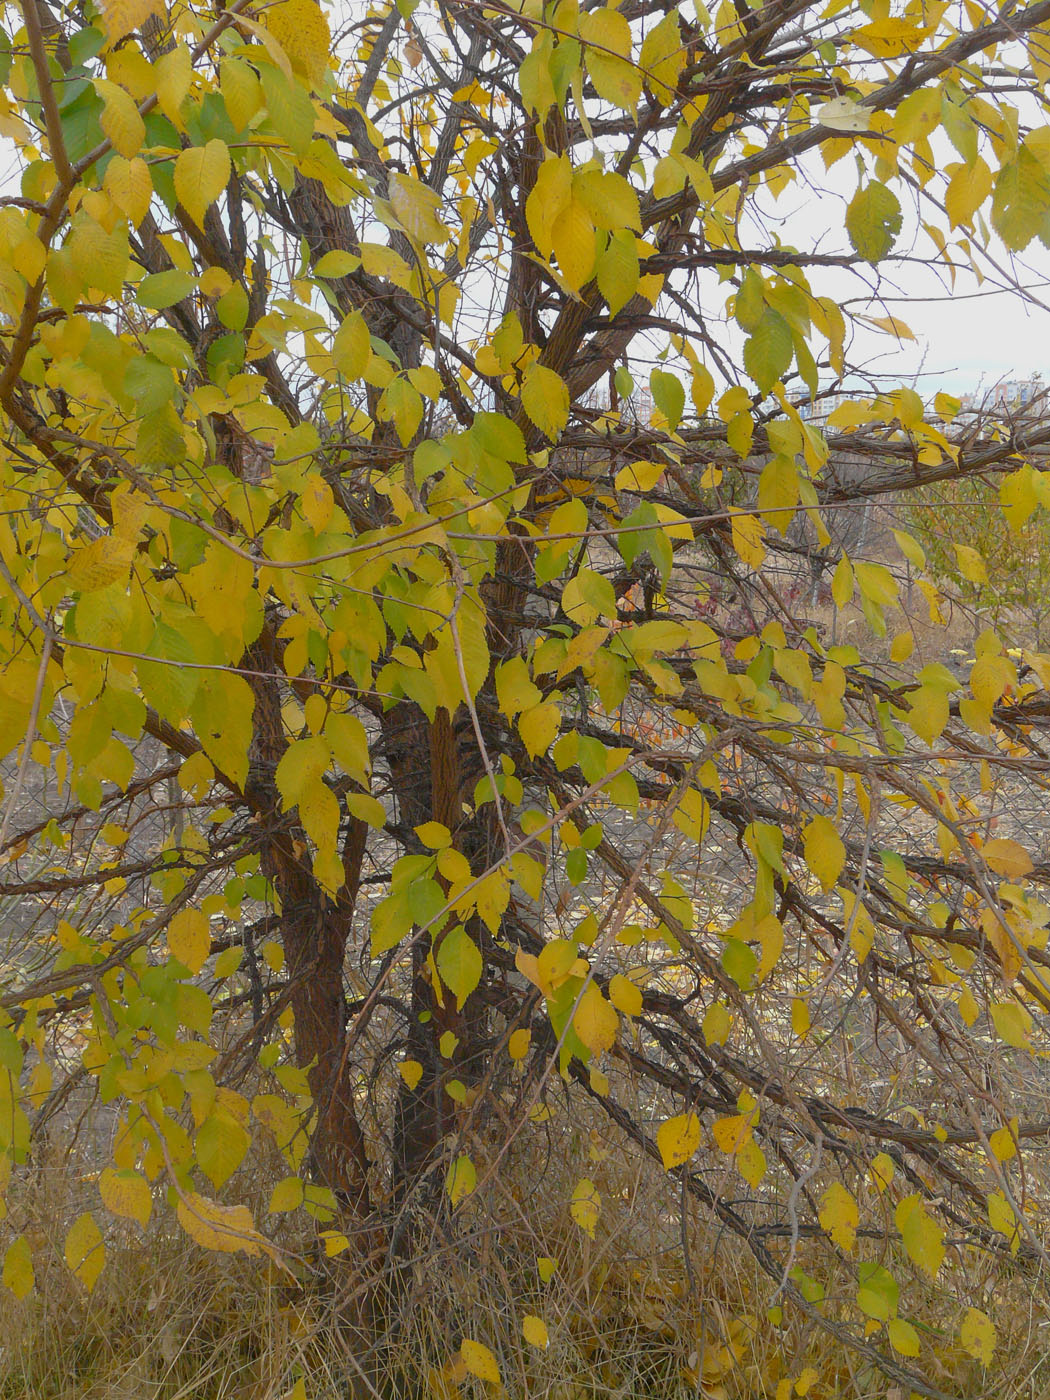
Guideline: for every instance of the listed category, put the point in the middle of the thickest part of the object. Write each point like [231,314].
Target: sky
[968,337]
[968,334]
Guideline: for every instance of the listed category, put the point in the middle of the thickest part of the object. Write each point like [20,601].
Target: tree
[1000,574]
[338,561]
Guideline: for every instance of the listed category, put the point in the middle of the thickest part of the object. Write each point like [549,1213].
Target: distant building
[818,410]
[1009,396]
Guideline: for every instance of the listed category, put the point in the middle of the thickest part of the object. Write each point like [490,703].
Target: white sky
[967,334]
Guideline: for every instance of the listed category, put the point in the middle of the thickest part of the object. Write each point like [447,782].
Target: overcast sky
[965,335]
[972,335]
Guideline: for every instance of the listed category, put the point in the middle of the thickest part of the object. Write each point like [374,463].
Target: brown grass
[629,1313]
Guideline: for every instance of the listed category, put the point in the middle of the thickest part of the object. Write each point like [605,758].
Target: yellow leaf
[461,1179]
[1007,858]
[717,1024]
[120,119]
[971,564]
[678,1139]
[1003,1141]
[625,995]
[882,1170]
[595,1021]
[903,1336]
[639,476]
[480,1362]
[545,399]
[751,1162]
[349,744]
[534,1330]
[1012,1023]
[611,202]
[126,1193]
[842,582]
[662,58]
[201,174]
[824,852]
[839,1216]
[902,646]
[84,1251]
[929,712]
[518,1043]
[416,207]
[225,1229]
[548,197]
[334,1243]
[585,1206]
[123,17]
[434,834]
[891,325]
[287,1195]
[301,29]
[100,563]
[968,188]
[411,1072]
[978,1335]
[748,536]
[538,726]
[607,35]
[573,242]
[731,1133]
[922,1236]
[189,938]
[173,77]
[129,186]
[800,1019]
[18,1274]
[318,503]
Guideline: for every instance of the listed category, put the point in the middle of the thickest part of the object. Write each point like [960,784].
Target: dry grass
[630,1313]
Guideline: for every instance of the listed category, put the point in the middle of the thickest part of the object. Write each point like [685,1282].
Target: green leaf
[290,110]
[500,436]
[460,963]
[1021,202]
[768,350]
[618,274]
[164,289]
[221,1146]
[878,1293]
[873,221]
[668,396]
